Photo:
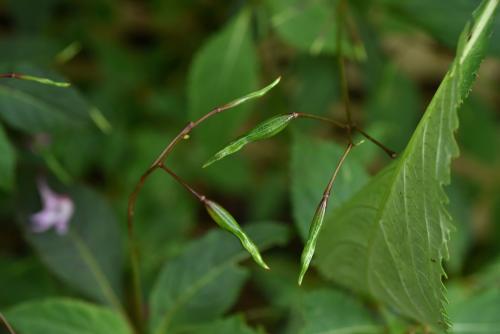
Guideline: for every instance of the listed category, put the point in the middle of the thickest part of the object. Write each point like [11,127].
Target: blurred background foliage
[142,69]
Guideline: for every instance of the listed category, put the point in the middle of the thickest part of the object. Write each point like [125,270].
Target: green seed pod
[310,246]
[253,95]
[43,81]
[262,131]
[227,222]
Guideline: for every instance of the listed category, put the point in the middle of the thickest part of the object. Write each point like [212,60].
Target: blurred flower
[57,211]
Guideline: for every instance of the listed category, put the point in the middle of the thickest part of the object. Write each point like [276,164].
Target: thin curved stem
[354,127]
[158,164]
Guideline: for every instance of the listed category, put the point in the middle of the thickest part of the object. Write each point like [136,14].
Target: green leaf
[310,26]
[396,227]
[311,168]
[7,161]
[34,107]
[224,68]
[90,256]
[18,274]
[479,132]
[476,313]
[65,316]
[428,14]
[233,325]
[205,280]
[394,106]
[329,311]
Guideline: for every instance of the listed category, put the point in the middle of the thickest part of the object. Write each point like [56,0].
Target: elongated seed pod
[227,222]
[310,246]
[261,92]
[43,81]
[262,131]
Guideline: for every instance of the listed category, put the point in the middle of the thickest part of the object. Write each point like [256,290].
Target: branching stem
[159,163]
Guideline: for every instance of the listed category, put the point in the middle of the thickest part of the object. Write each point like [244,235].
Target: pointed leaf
[65,316]
[233,325]
[224,68]
[204,281]
[389,240]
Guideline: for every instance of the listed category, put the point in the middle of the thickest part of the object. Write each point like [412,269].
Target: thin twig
[341,9]
[324,119]
[329,187]
[6,324]
[389,152]
[201,198]
[158,164]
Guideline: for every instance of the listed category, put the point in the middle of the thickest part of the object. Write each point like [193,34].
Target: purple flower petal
[57,211]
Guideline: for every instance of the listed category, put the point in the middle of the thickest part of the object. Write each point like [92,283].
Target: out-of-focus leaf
[461,237]
[34,107]
[28,49]
[397,226]
[315,85]
[233,325]
[476,313]
[65,316]
[90,256]
[224,69]
[394,106]
[479,133]
[17,276]
[312,165]
[329,311]
[205,280]
[443,19]
[7,161]
[310,26]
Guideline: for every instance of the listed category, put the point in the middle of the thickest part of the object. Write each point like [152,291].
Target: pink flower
[57,211]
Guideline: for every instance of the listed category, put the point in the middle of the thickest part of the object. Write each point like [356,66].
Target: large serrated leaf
[390,239]
[65,316]
[205,280]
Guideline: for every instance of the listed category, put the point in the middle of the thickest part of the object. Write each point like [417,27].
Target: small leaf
[7,161]
[264,130]
[204,281]
[308,252]
[311,27]
[227,222]
[65,316]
